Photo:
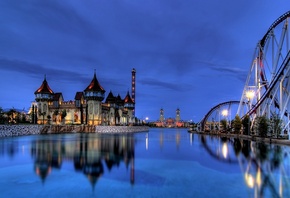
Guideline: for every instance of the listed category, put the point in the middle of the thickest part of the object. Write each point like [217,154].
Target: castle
[170,122]
[86,108]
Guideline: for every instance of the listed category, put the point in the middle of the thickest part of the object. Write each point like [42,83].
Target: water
[161,163]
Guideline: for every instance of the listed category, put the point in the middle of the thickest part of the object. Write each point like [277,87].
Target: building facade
[170,122]
[86,108]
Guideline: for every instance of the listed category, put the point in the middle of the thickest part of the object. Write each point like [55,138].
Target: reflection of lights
[225,112]
[146,141]
[161,140]
[23,149]
[225,150]
[249,180]
[190,138]
[177,139]
[258,179]
[280,187]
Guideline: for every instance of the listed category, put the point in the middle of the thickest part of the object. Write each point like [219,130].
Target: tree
[48,118]
[246,125]
[262,126]
[2,118]
[224,124]
[63,115]
[237,124]
[54,115]
[42,114]
[11,115]
[275,125]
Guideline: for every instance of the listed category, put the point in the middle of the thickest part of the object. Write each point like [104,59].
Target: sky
[189,54]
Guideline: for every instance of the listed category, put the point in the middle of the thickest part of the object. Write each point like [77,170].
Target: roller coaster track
[276,22]
[269,75]
[283,69]
[271,95]
[203,121]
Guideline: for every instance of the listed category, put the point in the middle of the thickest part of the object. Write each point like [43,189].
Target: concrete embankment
[268,140]
[19,130]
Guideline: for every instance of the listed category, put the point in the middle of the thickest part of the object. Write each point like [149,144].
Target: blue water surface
[158,163]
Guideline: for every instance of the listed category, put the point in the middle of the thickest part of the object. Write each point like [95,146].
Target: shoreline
[21,130]
[268,140]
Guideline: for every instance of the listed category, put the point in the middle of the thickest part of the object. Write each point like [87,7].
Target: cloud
[158,84]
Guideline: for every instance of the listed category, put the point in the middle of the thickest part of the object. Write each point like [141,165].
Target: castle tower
[43,97]
[177,118]
[129,106]
[133,88]
[161,117]
[94,94]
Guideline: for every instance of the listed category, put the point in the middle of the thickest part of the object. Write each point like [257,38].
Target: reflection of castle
[170,122]
[88,154]
[87,108]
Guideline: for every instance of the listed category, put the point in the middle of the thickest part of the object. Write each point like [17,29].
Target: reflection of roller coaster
[265,168]
[266,93]
[268,78]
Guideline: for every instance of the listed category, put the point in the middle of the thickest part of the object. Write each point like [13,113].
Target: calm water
[161,163]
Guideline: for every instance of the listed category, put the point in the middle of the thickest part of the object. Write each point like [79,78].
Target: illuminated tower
[161,117]
[94,94]
[43,97]
[129,106]
[133,88]
[177,118]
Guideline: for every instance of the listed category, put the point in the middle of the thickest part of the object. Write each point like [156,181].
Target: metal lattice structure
[267,87]
[225,110]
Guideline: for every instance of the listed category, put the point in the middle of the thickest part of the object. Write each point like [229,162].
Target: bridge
[267,87]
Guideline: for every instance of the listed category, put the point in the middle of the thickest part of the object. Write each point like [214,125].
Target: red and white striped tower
[133,88]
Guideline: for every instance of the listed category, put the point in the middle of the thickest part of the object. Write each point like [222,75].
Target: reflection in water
[8,147]
[147,141]
[264,167]
[88,152]
[173,161]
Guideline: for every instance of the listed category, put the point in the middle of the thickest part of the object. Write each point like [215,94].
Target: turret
[43,93]
[161,117]
[111,100]
[128,102]
[94,94]
[94,91]
[177,118]
[43,96]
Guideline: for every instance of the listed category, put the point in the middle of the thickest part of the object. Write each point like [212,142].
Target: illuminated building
[161,117]
[170,122]
[86,108]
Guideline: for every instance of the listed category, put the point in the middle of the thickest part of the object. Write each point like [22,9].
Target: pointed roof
[78,95]
[44,88]
[56,96]
[128,99]
[95,85]
[119,100]
[111,98]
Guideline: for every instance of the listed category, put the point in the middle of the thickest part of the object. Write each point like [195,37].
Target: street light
[225,112]
[250,94]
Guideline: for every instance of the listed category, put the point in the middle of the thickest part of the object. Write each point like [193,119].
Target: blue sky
[190,54]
